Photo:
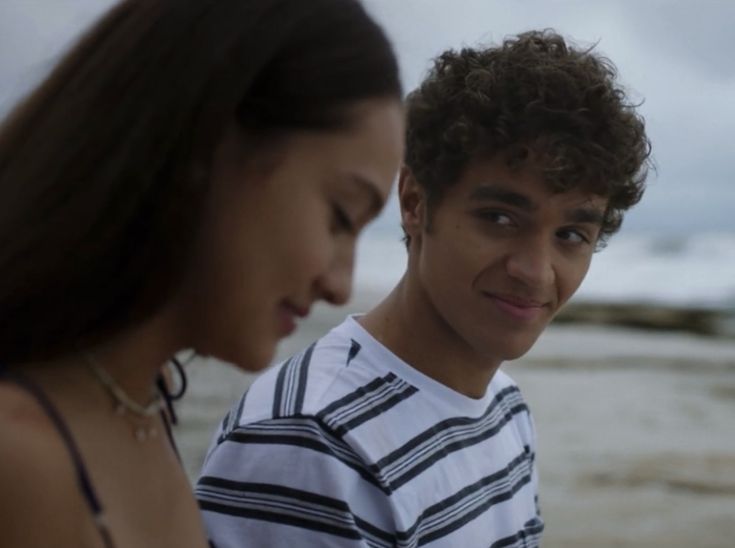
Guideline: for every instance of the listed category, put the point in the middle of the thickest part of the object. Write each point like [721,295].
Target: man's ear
[412,199]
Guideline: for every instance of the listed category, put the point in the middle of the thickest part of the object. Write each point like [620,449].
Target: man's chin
[519,350]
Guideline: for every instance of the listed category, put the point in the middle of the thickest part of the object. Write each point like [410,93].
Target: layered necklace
[141,417]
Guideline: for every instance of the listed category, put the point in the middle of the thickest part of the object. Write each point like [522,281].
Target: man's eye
[495,217]
[573,236]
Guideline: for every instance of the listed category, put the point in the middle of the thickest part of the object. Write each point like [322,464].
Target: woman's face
[280,228]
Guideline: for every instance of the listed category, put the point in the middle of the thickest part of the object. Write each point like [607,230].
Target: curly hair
[534,95]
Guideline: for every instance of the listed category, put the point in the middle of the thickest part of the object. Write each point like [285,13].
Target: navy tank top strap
[83,479]
[169,413]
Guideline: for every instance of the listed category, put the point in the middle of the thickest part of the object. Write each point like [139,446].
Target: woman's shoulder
[40,505]
[24,426]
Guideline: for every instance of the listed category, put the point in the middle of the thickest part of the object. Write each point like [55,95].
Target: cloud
[34,35]
[673,56]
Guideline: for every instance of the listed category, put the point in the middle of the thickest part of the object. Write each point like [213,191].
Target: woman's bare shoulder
[40,504]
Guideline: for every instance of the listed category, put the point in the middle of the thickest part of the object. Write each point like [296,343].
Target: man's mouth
[520,308]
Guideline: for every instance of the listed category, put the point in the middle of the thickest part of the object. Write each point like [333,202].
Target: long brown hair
[103,169]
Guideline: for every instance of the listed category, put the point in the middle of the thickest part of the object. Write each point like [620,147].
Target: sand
[636,431]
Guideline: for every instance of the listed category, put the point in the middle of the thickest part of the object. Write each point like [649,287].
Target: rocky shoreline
[653,316]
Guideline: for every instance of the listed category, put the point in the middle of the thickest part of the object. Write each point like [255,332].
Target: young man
[398,428]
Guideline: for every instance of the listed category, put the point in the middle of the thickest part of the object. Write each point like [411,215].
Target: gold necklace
[141,416]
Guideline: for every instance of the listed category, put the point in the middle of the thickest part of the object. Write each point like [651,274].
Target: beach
[636,429]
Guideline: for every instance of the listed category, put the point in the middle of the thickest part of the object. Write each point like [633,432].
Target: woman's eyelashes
[342,222]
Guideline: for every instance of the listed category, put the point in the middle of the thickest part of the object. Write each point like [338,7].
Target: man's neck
[406,323]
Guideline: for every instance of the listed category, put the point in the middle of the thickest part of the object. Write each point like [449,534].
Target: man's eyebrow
[368,187]
[586,215]
[500,194]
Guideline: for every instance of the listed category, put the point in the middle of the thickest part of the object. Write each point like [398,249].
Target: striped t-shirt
[345,445]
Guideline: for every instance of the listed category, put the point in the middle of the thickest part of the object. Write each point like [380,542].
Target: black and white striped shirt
[345,445]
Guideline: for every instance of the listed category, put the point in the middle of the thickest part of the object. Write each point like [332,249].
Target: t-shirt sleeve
[291,482]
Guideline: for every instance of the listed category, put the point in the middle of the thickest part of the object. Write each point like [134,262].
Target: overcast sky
[676,56]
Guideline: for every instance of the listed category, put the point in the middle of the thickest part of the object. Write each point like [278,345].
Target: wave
[696,270]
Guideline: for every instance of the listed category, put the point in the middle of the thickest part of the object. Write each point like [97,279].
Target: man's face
[501,254]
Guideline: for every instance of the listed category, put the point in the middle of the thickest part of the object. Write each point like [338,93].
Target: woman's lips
[287,314]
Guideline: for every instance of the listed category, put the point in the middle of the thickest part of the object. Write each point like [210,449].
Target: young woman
[193,174]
